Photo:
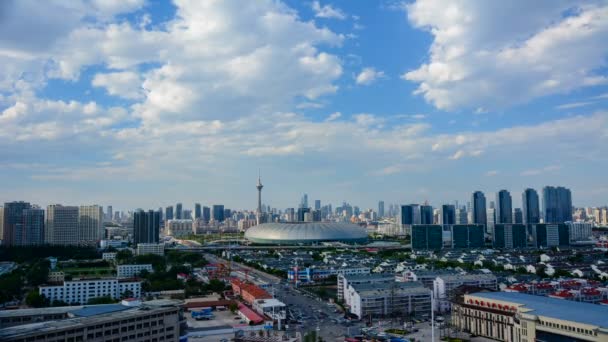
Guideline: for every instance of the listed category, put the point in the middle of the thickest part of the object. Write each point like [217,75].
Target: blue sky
[146,103]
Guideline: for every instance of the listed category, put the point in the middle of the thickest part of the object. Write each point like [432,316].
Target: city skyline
[356,101]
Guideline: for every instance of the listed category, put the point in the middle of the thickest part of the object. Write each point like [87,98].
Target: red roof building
[250,315]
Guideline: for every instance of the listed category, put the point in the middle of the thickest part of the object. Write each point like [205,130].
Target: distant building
[90,224]
[518,216]
[557,204]
[179,228]
[130,271]
[317,204]
[580,231]
[510,236]
[178,211]
[530,206]
[461,216]
[150,248]
[427,237]
[448,214]
[206,214]
[468,236]
[109,256]
[381,209]
[302,214]
[13,231]
[62,225]
[426,214]
[169,213]
[444,286]
[218,212]
[146,226]
[33,227]
[344,280]
[198,213]
[304,201]
[478,201]
[504,209]
[549,235]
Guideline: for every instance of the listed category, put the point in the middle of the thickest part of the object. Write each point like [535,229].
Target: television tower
[258,213]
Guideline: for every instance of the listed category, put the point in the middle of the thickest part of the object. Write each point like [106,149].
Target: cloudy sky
[146,103]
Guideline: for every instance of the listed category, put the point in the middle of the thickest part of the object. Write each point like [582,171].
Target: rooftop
[395,287]
[586,313]
[355,277]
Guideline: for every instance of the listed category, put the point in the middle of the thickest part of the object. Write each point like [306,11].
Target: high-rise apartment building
[90,224]
[109,215]
[33,227]
[426,214]
[197,211]
[317,204]
[304,201]
[178,211]
[478,209]
[218,212]
[206,214]
[146,226]
[531,206]
[13,231]
[169,213]
[518,216]
[381,209]
[504,208]
[61,225]
[448,214]
[557,204]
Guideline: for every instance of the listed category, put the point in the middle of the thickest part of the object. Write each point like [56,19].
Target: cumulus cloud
[497,54]
[327,11]
[368,76]
[126,84]
[333,116]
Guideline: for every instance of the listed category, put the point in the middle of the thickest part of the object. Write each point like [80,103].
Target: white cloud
[492,173]
[574,105]
[333,116]
[327,11]
[368,76]
[126,84]
[496,54]
[601,97]
[543,170]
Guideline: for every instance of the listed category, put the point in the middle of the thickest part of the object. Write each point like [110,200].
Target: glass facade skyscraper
[557,204]
[504,208]
[530,206]
[178,211]
[197,211]
[448,214]
[146,226]
[478,202]
[218,212]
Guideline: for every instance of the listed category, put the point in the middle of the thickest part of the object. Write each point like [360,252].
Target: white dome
[305,232]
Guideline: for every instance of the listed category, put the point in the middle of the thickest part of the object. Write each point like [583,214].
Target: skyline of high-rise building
[12,230]
[218,212]
[90,224]
[380,208]
[169,213]
[197,211]
[33,227]
[557,204]
[448,214]
[178,211]
[61,226]
[146,226]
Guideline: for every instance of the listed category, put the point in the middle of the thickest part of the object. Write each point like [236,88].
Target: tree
[233,307]
[38,273]
[127,294]
[102,300]
[35,299]
[124,256]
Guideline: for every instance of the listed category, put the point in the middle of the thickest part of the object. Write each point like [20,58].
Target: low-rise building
[346,279]
[147,321]
[389,299]
[272,308]
[130,271]
[110,256]
[444,286]
[81,291]
[151,248]
[56,277]
[113,243]
[519,317]
[311,274]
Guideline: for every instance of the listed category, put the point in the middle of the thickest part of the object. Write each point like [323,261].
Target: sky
[146,103]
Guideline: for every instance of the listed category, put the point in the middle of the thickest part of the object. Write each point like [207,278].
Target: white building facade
[129,271]
[81,291]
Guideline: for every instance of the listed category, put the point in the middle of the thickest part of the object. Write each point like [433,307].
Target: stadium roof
[305,232]
[566,310]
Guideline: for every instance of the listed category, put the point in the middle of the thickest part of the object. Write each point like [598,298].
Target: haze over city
[146,103]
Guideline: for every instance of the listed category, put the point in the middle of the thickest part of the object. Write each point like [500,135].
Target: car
[237,318]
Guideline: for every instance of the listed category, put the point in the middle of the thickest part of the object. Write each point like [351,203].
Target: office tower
[146,226]
[61,226]
[304,201]
[218,212]
[406,214]
[178,211]
[492,205]
[426,214]
[549,235]
[504,208]
[491,216]
[90,224]
[33,227]
[468,236]
[227,214]
[509,236]
[117,216]
[531,206]
[356,211]
[169,213]
[381,209]
[109,215]
[317,204]
[557,204]
[161,211]
[448,214]
[1,224]
[302,214]
[197,211]
[518,216]
[461,216]
[13,223]
[186,214]
[478,208]
[316,215]
[427,237]
[206,214]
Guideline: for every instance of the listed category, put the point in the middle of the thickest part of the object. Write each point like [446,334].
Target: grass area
[397,331]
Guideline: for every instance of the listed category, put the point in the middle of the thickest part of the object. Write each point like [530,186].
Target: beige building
[151,248]
[61,226]
[179,228]
[519,317]
[90,224]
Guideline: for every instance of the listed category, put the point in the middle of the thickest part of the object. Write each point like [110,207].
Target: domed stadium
[291,233]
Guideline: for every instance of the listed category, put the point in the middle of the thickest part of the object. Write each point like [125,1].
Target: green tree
[233,307]
[38,273]
[36,300]
[124,256]
[102,300]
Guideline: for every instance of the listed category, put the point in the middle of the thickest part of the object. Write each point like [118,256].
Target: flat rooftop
[566,310]
[369,276]
[395,287]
